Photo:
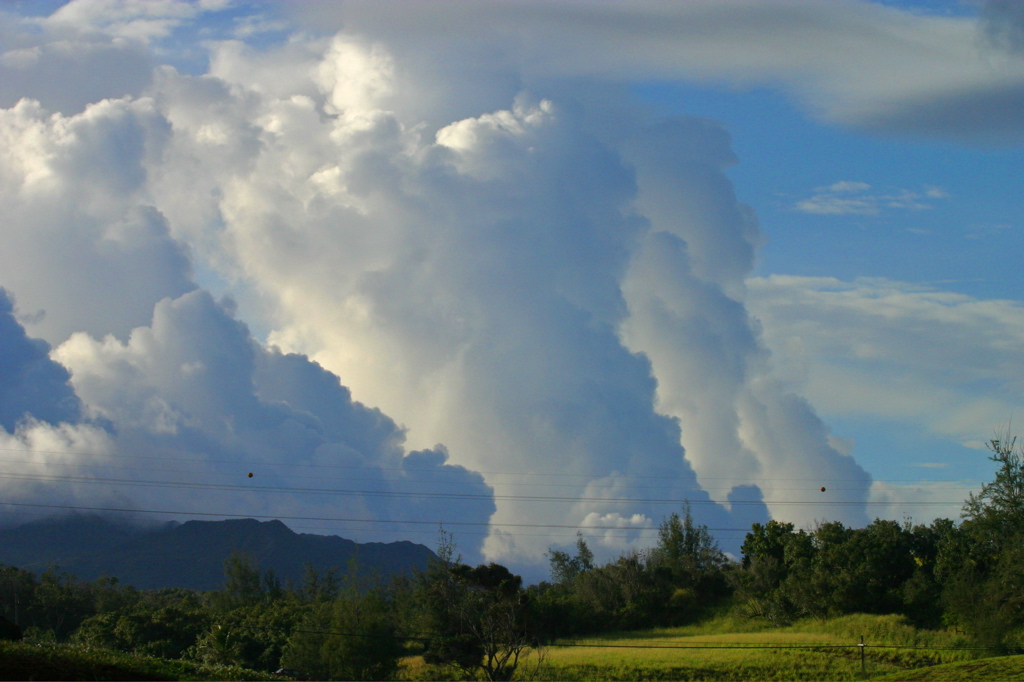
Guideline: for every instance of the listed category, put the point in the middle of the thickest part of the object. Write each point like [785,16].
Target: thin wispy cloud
[859,198]
[919,503]
[948,363]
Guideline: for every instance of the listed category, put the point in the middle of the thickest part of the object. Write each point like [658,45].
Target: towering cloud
[477,282]
[197,393]
[174,420]
[498,253]
[82,244]
[685,289]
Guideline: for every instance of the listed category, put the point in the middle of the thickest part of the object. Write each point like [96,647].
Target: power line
[401,481]
[568,530]
[454,468]
[449,495]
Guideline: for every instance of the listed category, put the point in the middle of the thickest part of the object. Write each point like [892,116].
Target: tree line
[967,575]
[480,621]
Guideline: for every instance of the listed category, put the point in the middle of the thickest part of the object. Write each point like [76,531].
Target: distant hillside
[192,554]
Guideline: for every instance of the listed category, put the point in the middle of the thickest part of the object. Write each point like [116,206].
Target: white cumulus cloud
[476,234]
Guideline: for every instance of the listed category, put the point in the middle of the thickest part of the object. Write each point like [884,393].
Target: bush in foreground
[25,661]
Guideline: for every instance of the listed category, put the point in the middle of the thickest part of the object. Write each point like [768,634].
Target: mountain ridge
[191,554]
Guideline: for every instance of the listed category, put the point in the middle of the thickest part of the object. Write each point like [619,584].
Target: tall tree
[688,558]
[687,548]
[998,508]
[565,568]
[983,564]
[354,637]
[479,618]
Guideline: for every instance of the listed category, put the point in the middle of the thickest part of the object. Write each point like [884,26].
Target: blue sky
[958,242]
[614,255]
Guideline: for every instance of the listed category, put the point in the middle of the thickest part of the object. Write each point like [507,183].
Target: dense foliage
[479,621]
[671,584]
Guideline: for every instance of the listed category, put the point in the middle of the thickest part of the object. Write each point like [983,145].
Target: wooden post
[862,665]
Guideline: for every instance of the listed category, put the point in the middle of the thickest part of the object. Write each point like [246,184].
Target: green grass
[930,654]
[1008,668]
[732,648]
[24,661]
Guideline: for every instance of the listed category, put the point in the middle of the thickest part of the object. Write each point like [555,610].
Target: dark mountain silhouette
[192,554]
[58,538]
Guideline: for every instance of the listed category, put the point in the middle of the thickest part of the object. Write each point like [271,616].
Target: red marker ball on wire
[822,487]
[250,476]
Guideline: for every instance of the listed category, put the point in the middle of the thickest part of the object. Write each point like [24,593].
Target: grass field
[737,649]
[723,648]
[1002,668]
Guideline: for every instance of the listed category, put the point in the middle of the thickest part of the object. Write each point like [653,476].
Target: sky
[514,269]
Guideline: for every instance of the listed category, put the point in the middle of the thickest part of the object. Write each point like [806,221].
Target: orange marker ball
[250,476]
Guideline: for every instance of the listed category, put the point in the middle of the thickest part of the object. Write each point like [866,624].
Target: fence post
[862,666]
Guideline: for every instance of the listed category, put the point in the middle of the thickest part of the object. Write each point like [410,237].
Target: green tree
[253,636]
[479,618]
[318,587]
[998,509]
[981,565]
[771,553]
[881,561]
[352,638]
[624,593]
[922,592]
[59,605]
[108,594]
[687,548]
[17,594]
[689,565]
[245,585]
[565,567]
[147,628]
[766,541]
[219,645]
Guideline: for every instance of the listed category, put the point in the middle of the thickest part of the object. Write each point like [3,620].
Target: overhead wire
[448,495]
[402,481]
[585,530]
[453,468]
[608,531]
